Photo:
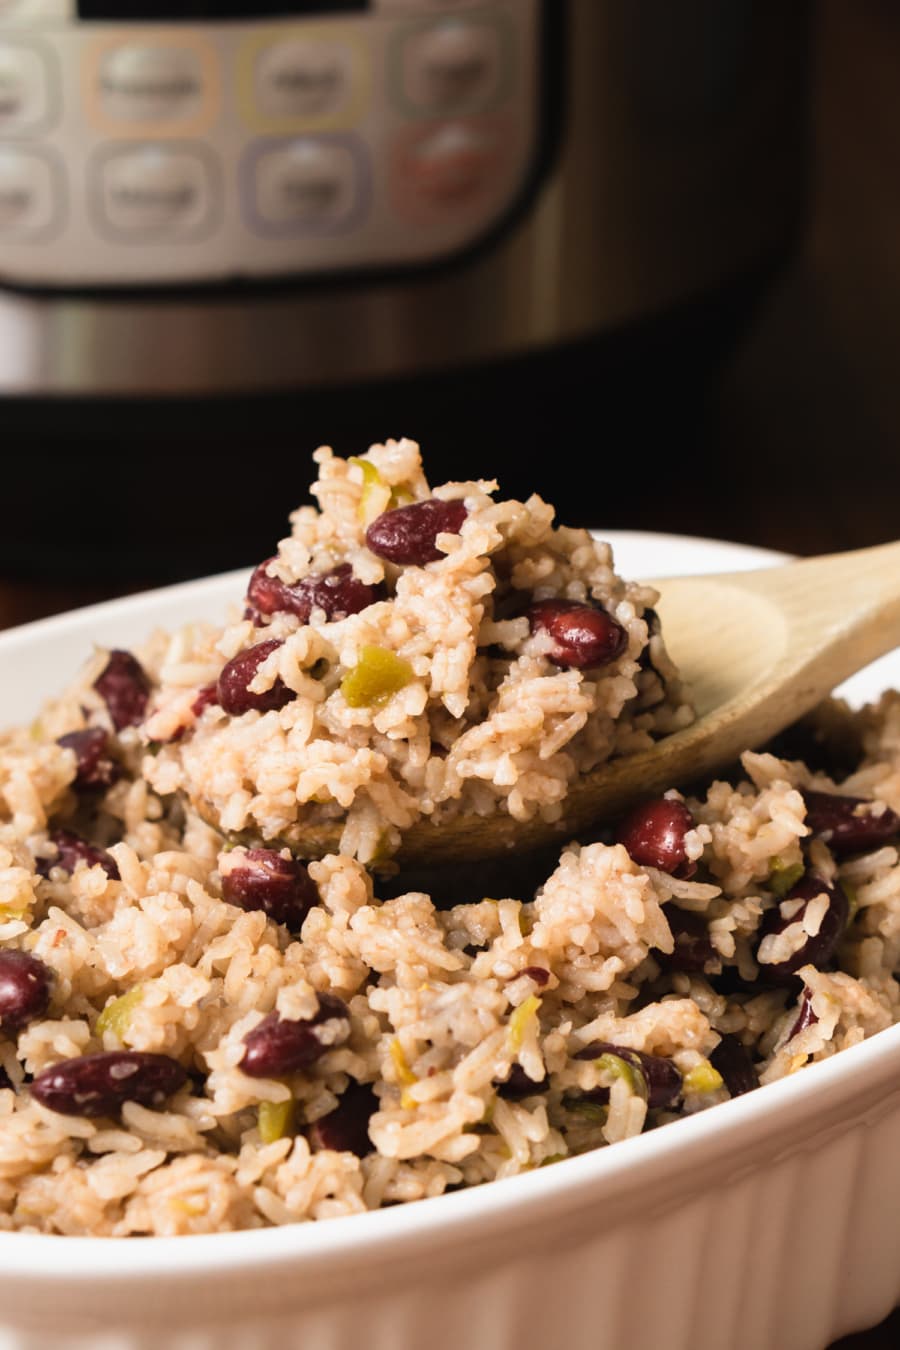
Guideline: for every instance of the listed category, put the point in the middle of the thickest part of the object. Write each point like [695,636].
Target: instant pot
[523,232]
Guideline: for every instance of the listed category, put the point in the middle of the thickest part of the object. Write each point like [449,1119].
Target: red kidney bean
[517,1085]
[337,592]
[268,595]
[693,949]
[731,1059]
[281,887]
[346,1128]
[849,824]
[71,849]
[94,765]
[536,973]
[280,1045]
[208,697]
[816,951]
[25,984]
[407,534]
[661,1076]
[232,689]
[584,636]
[124,687]
[653,836]
[98,1085]
[805,1015]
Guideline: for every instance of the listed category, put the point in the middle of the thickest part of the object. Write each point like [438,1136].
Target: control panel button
[150,84]
[156,191]
[295,78]
[24,87]
[454,65]
[314,185]
[30,196]
[159,84]
[451,165]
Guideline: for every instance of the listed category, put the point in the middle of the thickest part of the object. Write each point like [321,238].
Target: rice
[483,719]
[435,1045]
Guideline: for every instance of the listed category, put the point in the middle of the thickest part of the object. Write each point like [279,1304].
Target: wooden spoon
[758,650]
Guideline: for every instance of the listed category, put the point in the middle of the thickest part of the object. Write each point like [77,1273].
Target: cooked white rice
[485,721]
[443,1004]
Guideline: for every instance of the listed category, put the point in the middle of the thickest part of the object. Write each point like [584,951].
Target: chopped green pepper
[401,1064]
[376,493]
[783,876]
[521,1019]
[702,1078]
[376,677]
[275,1120]
[617,1067]
[116,1016]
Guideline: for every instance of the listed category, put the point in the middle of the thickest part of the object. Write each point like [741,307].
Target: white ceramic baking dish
[770,1221]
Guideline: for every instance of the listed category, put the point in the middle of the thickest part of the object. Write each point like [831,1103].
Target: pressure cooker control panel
[148,143]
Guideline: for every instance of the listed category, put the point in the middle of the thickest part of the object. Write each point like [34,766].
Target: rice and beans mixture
[410,654]
[201,1032]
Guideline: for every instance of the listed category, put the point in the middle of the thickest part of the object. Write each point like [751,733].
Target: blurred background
[532,235]
[639,257]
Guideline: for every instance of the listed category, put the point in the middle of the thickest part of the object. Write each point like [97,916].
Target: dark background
[767,413]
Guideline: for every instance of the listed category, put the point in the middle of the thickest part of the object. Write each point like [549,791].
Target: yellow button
[297,78]
[302,78]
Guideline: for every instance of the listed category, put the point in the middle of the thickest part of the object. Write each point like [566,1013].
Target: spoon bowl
[757,649]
